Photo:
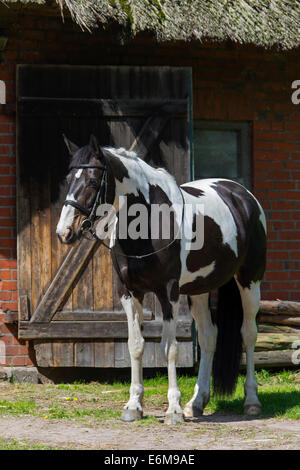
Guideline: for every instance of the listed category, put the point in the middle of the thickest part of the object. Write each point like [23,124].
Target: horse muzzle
[68,237]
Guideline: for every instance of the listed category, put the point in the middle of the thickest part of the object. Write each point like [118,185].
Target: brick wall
[230,82]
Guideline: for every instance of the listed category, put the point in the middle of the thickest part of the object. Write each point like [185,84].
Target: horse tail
[229,317]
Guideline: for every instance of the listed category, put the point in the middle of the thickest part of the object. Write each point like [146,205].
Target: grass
[278,393]
[13,444]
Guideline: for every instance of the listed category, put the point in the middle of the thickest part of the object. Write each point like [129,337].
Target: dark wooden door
[68,305]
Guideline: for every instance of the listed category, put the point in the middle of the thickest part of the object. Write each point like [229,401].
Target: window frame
[244,129]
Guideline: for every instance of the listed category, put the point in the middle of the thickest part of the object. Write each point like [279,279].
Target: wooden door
[67,300]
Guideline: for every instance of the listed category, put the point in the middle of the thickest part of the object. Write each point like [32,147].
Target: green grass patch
[278,393]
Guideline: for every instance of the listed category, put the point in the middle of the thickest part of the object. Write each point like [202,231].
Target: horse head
[86,182]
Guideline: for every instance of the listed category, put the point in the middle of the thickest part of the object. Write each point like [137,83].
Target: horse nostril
[68,236]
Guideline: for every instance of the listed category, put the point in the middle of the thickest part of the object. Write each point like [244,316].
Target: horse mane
[132,156]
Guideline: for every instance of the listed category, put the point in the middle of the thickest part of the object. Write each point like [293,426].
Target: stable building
[215,87]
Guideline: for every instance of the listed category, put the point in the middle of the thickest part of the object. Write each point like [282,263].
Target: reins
[87,224]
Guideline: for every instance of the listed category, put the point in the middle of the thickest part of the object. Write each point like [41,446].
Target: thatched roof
[261,22]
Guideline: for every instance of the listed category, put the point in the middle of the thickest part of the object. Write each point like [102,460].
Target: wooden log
[275,342]
[271,328]
[279,320]
[271,359]
[279,307]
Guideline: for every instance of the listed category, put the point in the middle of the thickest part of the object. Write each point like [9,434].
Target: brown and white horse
[216,240]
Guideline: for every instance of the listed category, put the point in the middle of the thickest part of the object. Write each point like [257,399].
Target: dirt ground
[217,431]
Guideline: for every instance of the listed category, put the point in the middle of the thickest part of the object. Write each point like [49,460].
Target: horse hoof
[252,410]
[131,415]
[174,418]
[192,412]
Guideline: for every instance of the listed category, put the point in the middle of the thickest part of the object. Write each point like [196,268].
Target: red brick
[5,275]
[276,275]
[294,195]
[5,295]
[284,185]
[280,285]
[19,361]
[8,285]
[13,306]
[294,275]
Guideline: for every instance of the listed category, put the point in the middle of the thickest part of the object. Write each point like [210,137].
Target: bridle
[86,225]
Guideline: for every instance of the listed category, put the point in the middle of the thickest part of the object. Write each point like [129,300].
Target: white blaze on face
[78,173]
[66,218]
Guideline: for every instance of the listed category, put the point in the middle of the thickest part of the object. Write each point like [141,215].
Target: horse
[230,257]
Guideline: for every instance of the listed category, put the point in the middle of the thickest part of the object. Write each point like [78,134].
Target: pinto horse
[230,256]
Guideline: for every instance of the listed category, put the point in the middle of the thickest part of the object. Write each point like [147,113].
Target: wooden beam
[63,280]
[92,315]
[96,330]
[43,106]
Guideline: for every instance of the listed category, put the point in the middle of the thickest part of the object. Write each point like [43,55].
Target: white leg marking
[250,301]
[134,312]
[174,413]
[207,336]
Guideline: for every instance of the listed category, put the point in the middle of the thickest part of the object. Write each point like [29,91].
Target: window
[222,149]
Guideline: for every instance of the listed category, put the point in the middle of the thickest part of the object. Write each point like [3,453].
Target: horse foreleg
[250,301]
[170,308]
[207,334]
[133,409]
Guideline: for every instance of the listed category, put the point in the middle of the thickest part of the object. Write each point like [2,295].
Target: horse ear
[72,148]
[94,145]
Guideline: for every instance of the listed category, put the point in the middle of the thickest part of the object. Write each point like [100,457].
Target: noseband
[87,224]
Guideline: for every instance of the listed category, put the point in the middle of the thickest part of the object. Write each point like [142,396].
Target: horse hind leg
[207,336]
[250,297]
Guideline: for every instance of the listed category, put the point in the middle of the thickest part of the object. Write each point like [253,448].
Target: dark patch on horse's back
[213,251]
[251,233]
[197,259]
[193,191]
[158,196]
[254,265]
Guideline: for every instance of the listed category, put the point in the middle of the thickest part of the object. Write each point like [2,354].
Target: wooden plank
[24,308]
[84,354]
[102,279]
[43,353]
[100,329]
[90,315]
[83,294]
[99,108]
[40,241]
[63,280]
[62,353]
[23,234]
[104,354]
[148,135]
